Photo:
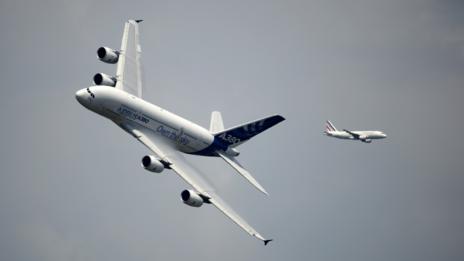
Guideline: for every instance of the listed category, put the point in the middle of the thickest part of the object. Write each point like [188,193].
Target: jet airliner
[165,134]
[364,136]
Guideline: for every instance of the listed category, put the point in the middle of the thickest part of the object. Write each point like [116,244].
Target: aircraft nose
[80,96]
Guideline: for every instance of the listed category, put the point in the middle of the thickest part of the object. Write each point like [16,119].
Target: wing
[128,74]
[189,174]
[355,135]
[361,137]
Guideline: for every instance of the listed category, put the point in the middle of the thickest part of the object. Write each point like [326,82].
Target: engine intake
[104,79]
[191,198]
[152,164]
[107,55]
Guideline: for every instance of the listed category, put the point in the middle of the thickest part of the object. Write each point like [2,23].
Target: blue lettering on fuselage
[126,112]
[172,134]
[165,131]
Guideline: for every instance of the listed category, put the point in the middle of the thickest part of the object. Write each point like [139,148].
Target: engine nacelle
[191,198]
[152,164]
[107,55]
[104,79]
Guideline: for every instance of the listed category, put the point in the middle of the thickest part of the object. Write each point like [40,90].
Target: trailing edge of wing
[237,219]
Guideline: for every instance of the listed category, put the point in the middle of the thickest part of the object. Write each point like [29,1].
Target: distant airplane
[167,135]
[364,136]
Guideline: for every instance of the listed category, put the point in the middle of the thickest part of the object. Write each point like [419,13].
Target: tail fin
[237,135]
[329,126]
[216,124]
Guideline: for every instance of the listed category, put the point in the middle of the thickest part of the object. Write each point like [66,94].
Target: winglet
[258,236]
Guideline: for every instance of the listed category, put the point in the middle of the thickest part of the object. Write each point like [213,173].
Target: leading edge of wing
[190,175]
[355,135]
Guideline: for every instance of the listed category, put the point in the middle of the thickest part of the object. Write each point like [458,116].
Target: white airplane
[364,136]
[167,135]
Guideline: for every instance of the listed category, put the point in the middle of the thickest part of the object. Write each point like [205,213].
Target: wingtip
[135,21]
[260,188]
[266,241]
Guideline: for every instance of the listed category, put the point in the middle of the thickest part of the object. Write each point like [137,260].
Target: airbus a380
[364,136]
[168,135]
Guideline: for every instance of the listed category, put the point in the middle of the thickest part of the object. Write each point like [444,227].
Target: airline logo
[328,128]
[254,127]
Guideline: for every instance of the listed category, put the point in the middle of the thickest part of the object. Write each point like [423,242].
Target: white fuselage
[125,109]
[363,135]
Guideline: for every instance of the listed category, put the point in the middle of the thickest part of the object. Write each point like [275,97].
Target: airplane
[364,136]
[165,134]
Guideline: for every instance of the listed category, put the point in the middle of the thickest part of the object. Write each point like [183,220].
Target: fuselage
[365,135]
[125,109]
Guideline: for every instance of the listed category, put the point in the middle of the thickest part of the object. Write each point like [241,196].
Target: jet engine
[107,55]
[104,79]
[152,164]
[191,198]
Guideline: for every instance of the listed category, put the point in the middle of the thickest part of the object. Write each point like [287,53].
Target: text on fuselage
[126,112]
[172,134]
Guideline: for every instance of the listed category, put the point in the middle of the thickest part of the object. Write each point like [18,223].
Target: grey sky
[71,187]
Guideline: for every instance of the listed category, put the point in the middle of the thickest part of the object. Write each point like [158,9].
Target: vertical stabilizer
[330,127]
[235,136]
[216,124]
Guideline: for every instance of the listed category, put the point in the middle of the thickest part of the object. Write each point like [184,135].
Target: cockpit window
[90,92]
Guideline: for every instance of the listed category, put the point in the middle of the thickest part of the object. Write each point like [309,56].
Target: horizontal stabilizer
[234,164]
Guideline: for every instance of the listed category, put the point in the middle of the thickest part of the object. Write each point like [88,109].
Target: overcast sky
[71,185]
